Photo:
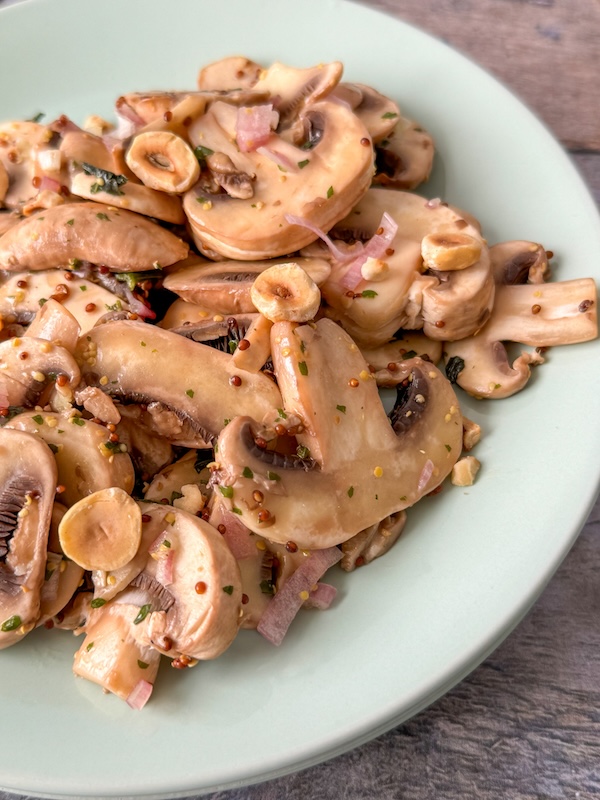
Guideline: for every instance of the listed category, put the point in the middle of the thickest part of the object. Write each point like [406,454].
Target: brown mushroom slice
[27,487]
[22,294]
[378,112]
[93,232]
[20,144]
[321,187]
[85,458]
[111,656]
[145,363]
[204,582]
[538,315]
[27,366]
[361,467]
[229,73]
[403,160]
[225,286]
[135,197]
[518,262]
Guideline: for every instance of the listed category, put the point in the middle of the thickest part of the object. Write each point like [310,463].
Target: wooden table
[526,723]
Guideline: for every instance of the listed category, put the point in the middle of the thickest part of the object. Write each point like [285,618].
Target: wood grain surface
[525,725]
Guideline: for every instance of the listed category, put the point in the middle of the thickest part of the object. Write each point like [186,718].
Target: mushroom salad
[198,309]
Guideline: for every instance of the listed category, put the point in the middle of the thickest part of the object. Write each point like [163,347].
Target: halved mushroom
[519,262]
[225,287]
[55,324]
[378,112]
[163,161]
[229,73]
[538,315]
[144,363]
[321,184]
[360,468]
[200,575]
[373,542]
[22,294]
[93,232]
[383,360]
[85,458]
[27,487]
[453,303]
[403,160]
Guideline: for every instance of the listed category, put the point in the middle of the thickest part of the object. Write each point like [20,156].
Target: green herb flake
[330,192]
[228,589]
[226,421]
[342,409]
[37,117]
[83,288]
[304,163]
[143,613]
[142,664]
[202,152]
[232,346]
[303,368]
[11,624]
[42,301]
[143,344]
[103,217]
[38,419]
[267,587]
[350,491]
[48,572]
[368,293]
[282,413]
[70,221]
[107,181]
[78,421]
[236,510]
[247,473]
[403,499]
[115,306]
[175,496]
[454,367]
[165,542]
[273,476]
[226,491]
[302,451]
[302,346]
[201,200]
[53,447]
[98,602]
[448,448]
[389,115]
[190,392]
[410,354]
[89,647]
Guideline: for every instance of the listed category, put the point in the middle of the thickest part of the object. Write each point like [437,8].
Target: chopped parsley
[247,473]
[142,664]
[108,182]
[302,451]
[11,624]
[189,392]
[282,413]
[38,419]
[143,613]
[350,491]
[226,491]
[267,587]
[303,368]
[368,293]
[273,476]
[103,217]
[330,192]
[202,152]
[78,421]
[342,409]
[389,115]
[70,221]
[228,589]
[174,496]
[97,602]
[304,163]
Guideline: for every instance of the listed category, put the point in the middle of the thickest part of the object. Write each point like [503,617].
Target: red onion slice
[136,305]
[321,597]
[49,183]
[254,125]
[236,535]
[338,254]
[284,606]
[376,247]
[140,694]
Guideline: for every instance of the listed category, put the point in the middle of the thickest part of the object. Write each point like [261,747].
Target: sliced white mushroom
[286,292]
[163,161]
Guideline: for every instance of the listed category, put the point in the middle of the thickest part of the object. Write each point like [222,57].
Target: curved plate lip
[339,737]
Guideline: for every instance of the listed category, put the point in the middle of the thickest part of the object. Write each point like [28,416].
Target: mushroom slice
[22,294]
[519,262]
[134,197]
[181,313]
[3,183]
[20,144]
[203,580]
[55,324]
[286,292]
[383,360]
[403,160]
[27,365]
[111,655]
[292,89]
[373,542]
[27,486]
[85,458]
[378,112]
[102,531]
[191,468]
[225,286]
[163,161]
[321,185]
[144,363]
[538,315]
[229,73]
[8,219]
[93,232]
[360,467]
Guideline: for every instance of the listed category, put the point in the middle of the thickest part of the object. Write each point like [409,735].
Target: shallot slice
[376,247]
[335,251]
[321,597]
[286,603]
[425,475]
[139,695]
[254,125]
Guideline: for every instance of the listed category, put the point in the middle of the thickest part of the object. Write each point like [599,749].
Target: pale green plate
[406,628]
